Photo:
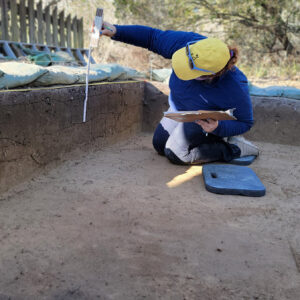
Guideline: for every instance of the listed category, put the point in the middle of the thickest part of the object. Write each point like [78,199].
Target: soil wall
[276,119]
[38,126]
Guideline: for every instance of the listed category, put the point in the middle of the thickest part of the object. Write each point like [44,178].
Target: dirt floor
[123,223]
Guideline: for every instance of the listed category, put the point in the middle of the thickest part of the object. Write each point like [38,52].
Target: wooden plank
[68,25]
[62,29]
[47,49]
[86,52]
[80,33]
[14,21]
[39,9]
[48,26]
[23,25]
[55,27]
[16,49]
[4,20]
[31,19]
[8,50]
[75,33]
[80,56]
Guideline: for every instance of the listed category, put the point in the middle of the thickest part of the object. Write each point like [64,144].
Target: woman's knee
[173,158]
[159,140]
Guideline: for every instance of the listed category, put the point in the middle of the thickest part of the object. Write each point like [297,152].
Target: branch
[293,28]
[54,2]
[220,14]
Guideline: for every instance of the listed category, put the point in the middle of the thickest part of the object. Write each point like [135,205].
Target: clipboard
[192,116]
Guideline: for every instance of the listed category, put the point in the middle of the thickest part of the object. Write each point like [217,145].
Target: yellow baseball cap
[210,55]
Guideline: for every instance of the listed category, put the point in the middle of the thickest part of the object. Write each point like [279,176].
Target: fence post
[23,26]
[39,9]
[20,21]
[62,28]
[75,33]
[55,25]
[48,26]
[80,33]
[31,21]
[14,23]
[4,20]
[68,25]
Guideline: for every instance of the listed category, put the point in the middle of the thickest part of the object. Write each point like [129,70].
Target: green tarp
[45,59]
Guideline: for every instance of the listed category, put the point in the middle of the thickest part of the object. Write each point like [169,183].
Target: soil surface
[124,223]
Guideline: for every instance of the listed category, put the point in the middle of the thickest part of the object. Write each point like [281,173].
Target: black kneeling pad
[232,180]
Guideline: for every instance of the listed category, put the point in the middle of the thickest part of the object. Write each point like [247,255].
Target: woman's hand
[208,125]
[108,29]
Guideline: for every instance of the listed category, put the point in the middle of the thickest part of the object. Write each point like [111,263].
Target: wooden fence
[23,21]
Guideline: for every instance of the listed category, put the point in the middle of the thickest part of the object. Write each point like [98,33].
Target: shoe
[246,147]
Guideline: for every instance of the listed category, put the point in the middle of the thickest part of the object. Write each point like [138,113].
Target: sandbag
[95,75]
[58,75]
[109,72]
[275,91]
[62,57]
[15,74]
[115,71]
[161,74]
[69,75]
[130,74]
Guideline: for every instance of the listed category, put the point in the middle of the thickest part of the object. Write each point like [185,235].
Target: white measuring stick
[94,41]
[87,85]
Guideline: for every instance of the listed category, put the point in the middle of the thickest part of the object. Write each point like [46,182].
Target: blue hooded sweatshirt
[230,91]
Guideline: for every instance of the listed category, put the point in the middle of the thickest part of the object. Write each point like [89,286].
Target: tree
[165,14]
[259,25]
[271,22]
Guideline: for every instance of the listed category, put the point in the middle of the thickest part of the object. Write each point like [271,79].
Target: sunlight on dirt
[186,176]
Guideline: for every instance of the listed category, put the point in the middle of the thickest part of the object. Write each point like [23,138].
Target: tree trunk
[280,30]
[281,34]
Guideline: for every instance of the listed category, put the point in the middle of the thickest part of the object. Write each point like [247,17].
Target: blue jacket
[230,91]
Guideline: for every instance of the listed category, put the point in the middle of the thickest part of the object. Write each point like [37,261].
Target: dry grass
[263,73]
[273,71]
